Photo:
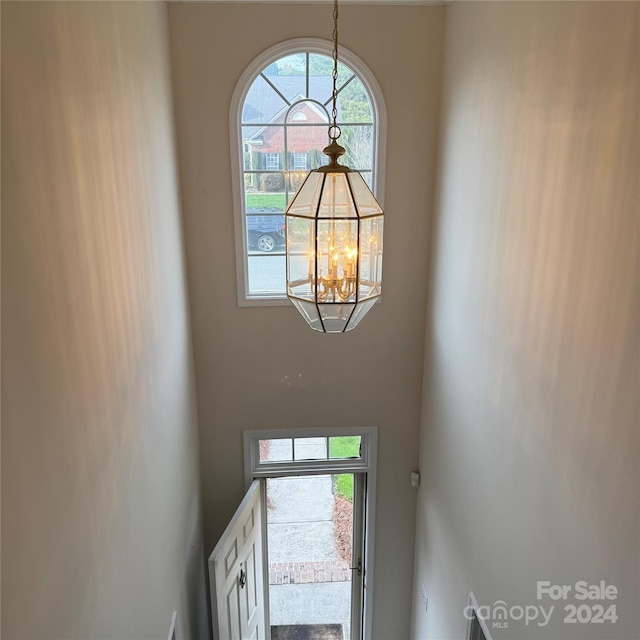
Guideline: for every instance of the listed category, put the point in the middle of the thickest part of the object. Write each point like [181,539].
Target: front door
[315,556]
[236,574]
[343,460]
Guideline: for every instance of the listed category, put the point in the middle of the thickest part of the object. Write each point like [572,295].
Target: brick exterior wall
[299,139]
[309,572]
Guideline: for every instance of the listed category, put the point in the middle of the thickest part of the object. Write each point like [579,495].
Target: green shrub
[344,447]
[271,182]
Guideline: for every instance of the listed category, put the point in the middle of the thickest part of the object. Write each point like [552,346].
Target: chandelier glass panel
[334,239]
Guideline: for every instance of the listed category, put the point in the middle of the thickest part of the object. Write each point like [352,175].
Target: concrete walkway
[301,519]
[307,573]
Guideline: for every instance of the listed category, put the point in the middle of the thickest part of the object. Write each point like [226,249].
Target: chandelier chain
[335,133]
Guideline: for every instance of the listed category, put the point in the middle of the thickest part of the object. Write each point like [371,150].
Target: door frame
[366,465]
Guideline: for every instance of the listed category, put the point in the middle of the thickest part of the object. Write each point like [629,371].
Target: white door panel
[236,576]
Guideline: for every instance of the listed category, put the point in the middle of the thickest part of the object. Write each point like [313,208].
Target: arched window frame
[271,55]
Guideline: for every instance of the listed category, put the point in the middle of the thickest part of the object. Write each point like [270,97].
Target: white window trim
[299,156]
[272,156]
[288,47]
[367,463]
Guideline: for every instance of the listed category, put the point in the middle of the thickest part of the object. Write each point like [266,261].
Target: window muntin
[283,128]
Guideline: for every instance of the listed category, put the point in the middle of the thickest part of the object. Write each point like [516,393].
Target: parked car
[265,232]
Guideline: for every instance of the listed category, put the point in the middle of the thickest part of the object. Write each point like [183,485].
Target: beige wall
[530,416]
[100,498]
[263,367]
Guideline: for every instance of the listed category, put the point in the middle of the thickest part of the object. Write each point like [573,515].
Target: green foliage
[343,485]
[353,97]
[344,447]
[354,103]
[316,158]
[296,178]
[319,65]
[265,201]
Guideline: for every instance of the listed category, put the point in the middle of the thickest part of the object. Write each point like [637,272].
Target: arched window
[279,121]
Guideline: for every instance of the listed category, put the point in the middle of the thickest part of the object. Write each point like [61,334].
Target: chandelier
[334,238]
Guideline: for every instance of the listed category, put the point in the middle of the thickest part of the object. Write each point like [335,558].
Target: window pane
[280,450]
[265,234]
[256,201]
[310,449]
[309,139]
[285,118]
[321,448]
[345,74]
[358,144]
[289,75]
[303,156]
[308,112]
[353,103]
[320,64]
[263,139]
[344,447]
[261,103]
[267,274]
[320,80]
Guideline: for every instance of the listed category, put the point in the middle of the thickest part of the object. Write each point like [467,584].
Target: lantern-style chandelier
[334,238]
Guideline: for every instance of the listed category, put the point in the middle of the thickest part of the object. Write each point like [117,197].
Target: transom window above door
[318,448]
[283,452]
[280,111]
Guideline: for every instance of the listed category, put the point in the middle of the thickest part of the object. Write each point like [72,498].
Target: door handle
[358,568]
[243,578]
